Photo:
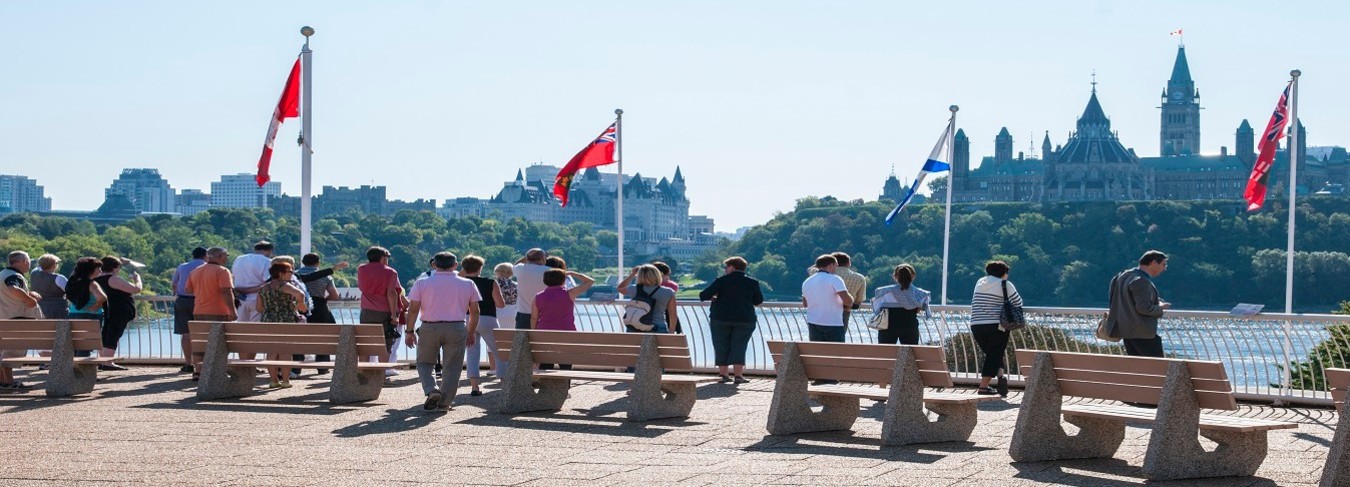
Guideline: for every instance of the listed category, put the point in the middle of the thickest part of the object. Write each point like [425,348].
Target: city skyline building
[146,189]
[19,194]
[242,191]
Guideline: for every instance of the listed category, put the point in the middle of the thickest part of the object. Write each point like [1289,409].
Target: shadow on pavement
[394,421]
[1086,472]
[565,423]
[849,444]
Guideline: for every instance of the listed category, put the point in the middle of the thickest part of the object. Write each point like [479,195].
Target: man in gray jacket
[1136,307]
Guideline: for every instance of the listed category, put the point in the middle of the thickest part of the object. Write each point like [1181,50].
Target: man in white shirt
[444,301]
[529,273]
[826,297]
[250,273]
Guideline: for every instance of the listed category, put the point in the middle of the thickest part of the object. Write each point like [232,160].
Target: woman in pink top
[553,306]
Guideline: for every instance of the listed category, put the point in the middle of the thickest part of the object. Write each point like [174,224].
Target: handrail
[1252,348]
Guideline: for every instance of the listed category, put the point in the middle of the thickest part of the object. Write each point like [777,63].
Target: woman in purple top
[553,306]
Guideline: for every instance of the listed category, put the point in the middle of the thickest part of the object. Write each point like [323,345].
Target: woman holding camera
[121,306]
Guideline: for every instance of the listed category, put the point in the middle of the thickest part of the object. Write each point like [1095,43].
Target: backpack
[637,313]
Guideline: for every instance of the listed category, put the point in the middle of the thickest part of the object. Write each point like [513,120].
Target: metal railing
[1253,350]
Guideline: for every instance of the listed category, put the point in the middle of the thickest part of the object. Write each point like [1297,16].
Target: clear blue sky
[760,102]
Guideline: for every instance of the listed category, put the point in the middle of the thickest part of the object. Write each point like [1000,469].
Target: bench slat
[292,348]
[617,376]
[46,325]
[628,350]
[1338,380]
[1126,364]
[294,364]
[668,362]
[1105,377]
[1141,394]
[860,350]
[593,338]
[43,360]
[881,394]
[876,376]
[1207,421]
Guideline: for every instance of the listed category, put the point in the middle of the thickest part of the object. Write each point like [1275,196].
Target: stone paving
[145,426]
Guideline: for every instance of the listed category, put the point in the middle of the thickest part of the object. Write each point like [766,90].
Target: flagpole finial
[306,31]
[953,108]
[618,111]
[1296,73]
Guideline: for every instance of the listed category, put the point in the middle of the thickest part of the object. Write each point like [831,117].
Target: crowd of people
[458,308]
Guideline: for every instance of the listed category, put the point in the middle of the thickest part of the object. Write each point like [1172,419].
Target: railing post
[1288,384]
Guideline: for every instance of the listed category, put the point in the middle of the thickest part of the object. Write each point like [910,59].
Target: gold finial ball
[953,108]
[1296,73]
[306,31]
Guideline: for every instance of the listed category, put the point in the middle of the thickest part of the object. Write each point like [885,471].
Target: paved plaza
[146,426]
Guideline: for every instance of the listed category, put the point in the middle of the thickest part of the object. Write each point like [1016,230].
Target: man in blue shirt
[183,304]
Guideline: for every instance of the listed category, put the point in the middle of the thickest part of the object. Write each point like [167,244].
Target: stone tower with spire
[1047,150]
[1243,145]
[960,159]
[1180,134]
[1003,147]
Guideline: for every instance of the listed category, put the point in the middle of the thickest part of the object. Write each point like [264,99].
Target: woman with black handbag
[901,304]
[986,313]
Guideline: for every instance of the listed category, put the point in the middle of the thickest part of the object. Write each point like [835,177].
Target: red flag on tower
[287,107]
[1270,141]
[599,152]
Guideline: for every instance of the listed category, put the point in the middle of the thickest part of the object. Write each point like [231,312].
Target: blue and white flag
[934,164]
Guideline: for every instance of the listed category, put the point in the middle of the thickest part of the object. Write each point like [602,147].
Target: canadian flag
[287,107]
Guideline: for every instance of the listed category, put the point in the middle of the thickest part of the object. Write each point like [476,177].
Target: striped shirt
[987,303]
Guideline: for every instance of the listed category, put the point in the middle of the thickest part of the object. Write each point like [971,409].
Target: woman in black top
[121,307]
[471,269]
[731,318]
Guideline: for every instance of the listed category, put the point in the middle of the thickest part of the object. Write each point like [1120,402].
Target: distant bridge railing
[1254,350]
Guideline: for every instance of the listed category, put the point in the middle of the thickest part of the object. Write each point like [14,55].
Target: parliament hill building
[1093,164]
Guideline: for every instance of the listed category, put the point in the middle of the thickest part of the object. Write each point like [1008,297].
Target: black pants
[114,326]
[994,343]
[902,325]
[318,314]
[1144,347]
[729,341]
[826,333]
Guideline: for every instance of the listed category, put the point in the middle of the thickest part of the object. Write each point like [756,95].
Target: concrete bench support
[518,385]
[906,422]
[351,384]
[1039,436]
[218,379]
[648,398]
[65,377]
[789,413]
[1174,450]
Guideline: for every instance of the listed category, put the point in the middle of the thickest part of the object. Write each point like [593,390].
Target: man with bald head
[529,272]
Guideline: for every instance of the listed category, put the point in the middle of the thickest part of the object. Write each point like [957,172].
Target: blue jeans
[729,340]
[824,333]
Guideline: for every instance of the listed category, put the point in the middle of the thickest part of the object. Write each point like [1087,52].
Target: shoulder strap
[1005,291]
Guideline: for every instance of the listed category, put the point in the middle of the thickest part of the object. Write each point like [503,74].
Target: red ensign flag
[598,153]
[287,107]
[1270,141]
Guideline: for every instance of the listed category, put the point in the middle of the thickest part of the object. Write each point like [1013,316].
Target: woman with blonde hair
[507,313]
[649,289]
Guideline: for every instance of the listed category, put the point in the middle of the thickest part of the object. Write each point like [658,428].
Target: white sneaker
[390,372]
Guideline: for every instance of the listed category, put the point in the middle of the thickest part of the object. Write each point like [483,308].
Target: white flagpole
[1293,211]
[306,137]
[951,173]
[618,216]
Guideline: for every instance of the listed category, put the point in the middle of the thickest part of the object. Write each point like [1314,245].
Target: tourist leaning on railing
[732,316]
[901,302]
[121,308]
[985,308]
[554,307]
[662,298]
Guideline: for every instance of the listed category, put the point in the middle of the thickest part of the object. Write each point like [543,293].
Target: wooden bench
[1336,471]
[897,374]
[67,374]
[354,379]
[1179,388]
[653,395]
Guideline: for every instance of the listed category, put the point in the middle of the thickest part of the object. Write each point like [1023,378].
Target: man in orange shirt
[213,287]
